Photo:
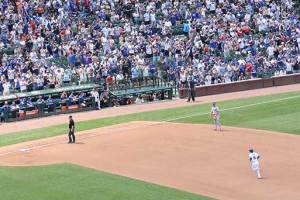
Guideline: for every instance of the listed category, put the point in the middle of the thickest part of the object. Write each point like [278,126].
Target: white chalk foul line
[233,108]
[26,149]
[146,125]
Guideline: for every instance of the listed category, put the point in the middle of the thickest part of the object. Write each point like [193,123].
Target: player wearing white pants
[215,114]
[253,157]
[95,94]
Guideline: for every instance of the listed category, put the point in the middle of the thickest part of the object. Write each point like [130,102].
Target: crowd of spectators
[210,41]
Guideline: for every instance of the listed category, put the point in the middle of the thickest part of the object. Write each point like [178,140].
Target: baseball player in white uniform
[95,94]
[253,157]
[215,114]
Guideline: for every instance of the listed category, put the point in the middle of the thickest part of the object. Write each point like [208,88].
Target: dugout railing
[112,94]
[32,108]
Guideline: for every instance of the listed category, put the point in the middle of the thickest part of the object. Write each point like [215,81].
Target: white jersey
[11,74]
[6,87]
[95,94]
[23,85]
[215,112]
[254,161]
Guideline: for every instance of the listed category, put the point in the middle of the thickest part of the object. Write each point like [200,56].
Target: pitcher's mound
[186,156]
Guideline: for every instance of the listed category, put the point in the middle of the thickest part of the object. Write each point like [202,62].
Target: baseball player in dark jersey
[71,130]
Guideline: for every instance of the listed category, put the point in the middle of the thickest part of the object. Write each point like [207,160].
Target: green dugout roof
[84,87]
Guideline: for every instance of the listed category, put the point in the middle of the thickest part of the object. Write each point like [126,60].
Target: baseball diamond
[146,159]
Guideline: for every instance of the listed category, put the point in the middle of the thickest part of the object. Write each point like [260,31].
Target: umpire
[71,130]
[191,89]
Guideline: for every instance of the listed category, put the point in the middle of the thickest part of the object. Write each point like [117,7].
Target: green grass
[283,116]
[71,182]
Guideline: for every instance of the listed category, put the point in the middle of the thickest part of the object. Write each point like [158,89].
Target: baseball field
[160,151]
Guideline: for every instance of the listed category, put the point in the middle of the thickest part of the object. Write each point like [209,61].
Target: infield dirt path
[185,156]
[110,112]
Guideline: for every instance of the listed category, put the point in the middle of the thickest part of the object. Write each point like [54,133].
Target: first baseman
[215,114]
[253,157]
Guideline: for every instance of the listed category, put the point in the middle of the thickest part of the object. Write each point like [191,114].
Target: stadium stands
[119,44]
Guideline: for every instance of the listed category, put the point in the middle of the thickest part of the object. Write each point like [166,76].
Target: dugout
[111,94]
[55,106]
[149,93]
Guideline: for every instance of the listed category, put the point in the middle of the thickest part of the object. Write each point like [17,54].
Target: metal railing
[42,109]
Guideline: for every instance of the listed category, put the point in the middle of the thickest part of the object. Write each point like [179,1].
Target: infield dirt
[185,156]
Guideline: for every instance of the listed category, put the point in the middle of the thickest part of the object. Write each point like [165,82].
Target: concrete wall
[243,85]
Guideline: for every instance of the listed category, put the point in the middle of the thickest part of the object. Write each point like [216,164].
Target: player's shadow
[79,143]
[197,101]
[224,130]
[264,177]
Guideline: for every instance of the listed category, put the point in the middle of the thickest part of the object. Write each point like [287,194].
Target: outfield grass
[280,115]
[71,182]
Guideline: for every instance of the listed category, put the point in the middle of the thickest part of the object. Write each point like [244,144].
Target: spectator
[6,88]
[54,41]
